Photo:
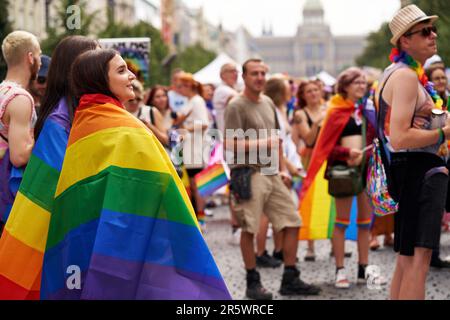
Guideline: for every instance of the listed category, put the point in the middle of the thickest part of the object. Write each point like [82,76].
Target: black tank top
[351,128]
[310,123]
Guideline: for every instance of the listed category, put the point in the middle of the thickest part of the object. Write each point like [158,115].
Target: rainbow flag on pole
[22,244]
[122,226]
[211,179]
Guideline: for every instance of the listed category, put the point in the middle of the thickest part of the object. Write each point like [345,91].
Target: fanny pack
[345,181]
[240,182]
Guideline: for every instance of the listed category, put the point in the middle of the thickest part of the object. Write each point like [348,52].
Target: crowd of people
[273,132]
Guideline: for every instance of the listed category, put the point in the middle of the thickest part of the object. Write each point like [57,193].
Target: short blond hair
[16,46]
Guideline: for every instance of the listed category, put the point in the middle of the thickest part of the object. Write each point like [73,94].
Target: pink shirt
[8,91]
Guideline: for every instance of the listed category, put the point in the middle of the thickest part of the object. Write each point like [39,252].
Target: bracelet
[441,136]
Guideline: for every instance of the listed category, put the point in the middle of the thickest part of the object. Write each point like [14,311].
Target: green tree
[5,28]
[158,50]
[65,23]
[376,53]
[378,46]
[194,58]
[442,9]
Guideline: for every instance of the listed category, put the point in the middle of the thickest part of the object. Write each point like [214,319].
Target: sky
[345,17]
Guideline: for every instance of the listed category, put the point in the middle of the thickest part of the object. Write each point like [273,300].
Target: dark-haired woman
[35,200]
[122,216]
[148,114]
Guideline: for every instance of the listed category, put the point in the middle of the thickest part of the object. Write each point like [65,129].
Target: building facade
[28,15]
[313,49]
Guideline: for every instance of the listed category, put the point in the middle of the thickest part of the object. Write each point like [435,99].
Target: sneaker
[255,290]
[373,278]
[439,263]
[278,255]
[291,284]
[266,261]
[211,204]
[209,213]
[235,237]
[342,281]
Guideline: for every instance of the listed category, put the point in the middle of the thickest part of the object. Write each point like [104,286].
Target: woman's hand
[355,158]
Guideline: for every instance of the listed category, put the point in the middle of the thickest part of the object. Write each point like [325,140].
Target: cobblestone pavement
[321,272]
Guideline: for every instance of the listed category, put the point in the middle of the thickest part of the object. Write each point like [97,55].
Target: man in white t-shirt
[176,100]
[224,93]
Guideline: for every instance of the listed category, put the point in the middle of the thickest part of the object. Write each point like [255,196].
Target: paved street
[320,272]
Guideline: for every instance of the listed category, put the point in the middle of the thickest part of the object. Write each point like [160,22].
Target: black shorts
[419,183]
[192,172]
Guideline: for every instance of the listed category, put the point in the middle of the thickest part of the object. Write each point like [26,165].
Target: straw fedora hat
[405,19]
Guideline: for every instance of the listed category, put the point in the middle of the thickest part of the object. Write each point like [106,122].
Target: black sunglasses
[41,80]
[426,32]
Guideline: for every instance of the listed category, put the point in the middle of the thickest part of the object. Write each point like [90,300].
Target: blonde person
[21,51]
[195,145]
[306,126]
[149,115]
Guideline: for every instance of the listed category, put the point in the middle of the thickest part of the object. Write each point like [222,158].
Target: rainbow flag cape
[22,244]
[317,207]
[122,226]
[211,179]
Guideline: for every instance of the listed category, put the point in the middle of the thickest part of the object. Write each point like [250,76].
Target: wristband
[441,136]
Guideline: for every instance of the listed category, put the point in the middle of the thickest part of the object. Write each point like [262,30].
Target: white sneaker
[342,281]
[209,212]
[235,238]
[372,278]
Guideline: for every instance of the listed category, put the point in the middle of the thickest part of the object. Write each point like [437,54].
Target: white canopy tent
[211,73]
[326,78]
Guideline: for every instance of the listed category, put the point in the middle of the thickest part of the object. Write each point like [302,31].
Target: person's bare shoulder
[20,107]
[299,116]
[404,74]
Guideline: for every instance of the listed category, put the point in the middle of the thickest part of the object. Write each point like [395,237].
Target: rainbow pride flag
[211,179]
[318,212]
[122,217]
[22,244]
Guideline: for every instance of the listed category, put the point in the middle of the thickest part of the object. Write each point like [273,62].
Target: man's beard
[34,69]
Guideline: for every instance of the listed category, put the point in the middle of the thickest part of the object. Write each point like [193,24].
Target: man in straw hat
[414,128]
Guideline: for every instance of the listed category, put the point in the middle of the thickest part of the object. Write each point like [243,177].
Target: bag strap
[4,138]
[152,119]
[364,142]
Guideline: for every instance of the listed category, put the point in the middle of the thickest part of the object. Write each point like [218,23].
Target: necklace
[401,56]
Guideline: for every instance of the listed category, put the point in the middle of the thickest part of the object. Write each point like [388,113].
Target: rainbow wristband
[441,136]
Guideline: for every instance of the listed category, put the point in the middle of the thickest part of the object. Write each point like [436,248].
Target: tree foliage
[194,58]
[60,27]
[378,46]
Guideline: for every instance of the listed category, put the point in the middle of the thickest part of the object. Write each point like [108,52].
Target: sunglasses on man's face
[425,32]
[41,80]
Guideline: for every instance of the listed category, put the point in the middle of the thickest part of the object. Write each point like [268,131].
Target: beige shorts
[271,197]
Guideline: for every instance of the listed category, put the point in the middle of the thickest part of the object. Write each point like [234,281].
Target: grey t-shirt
[251,120]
